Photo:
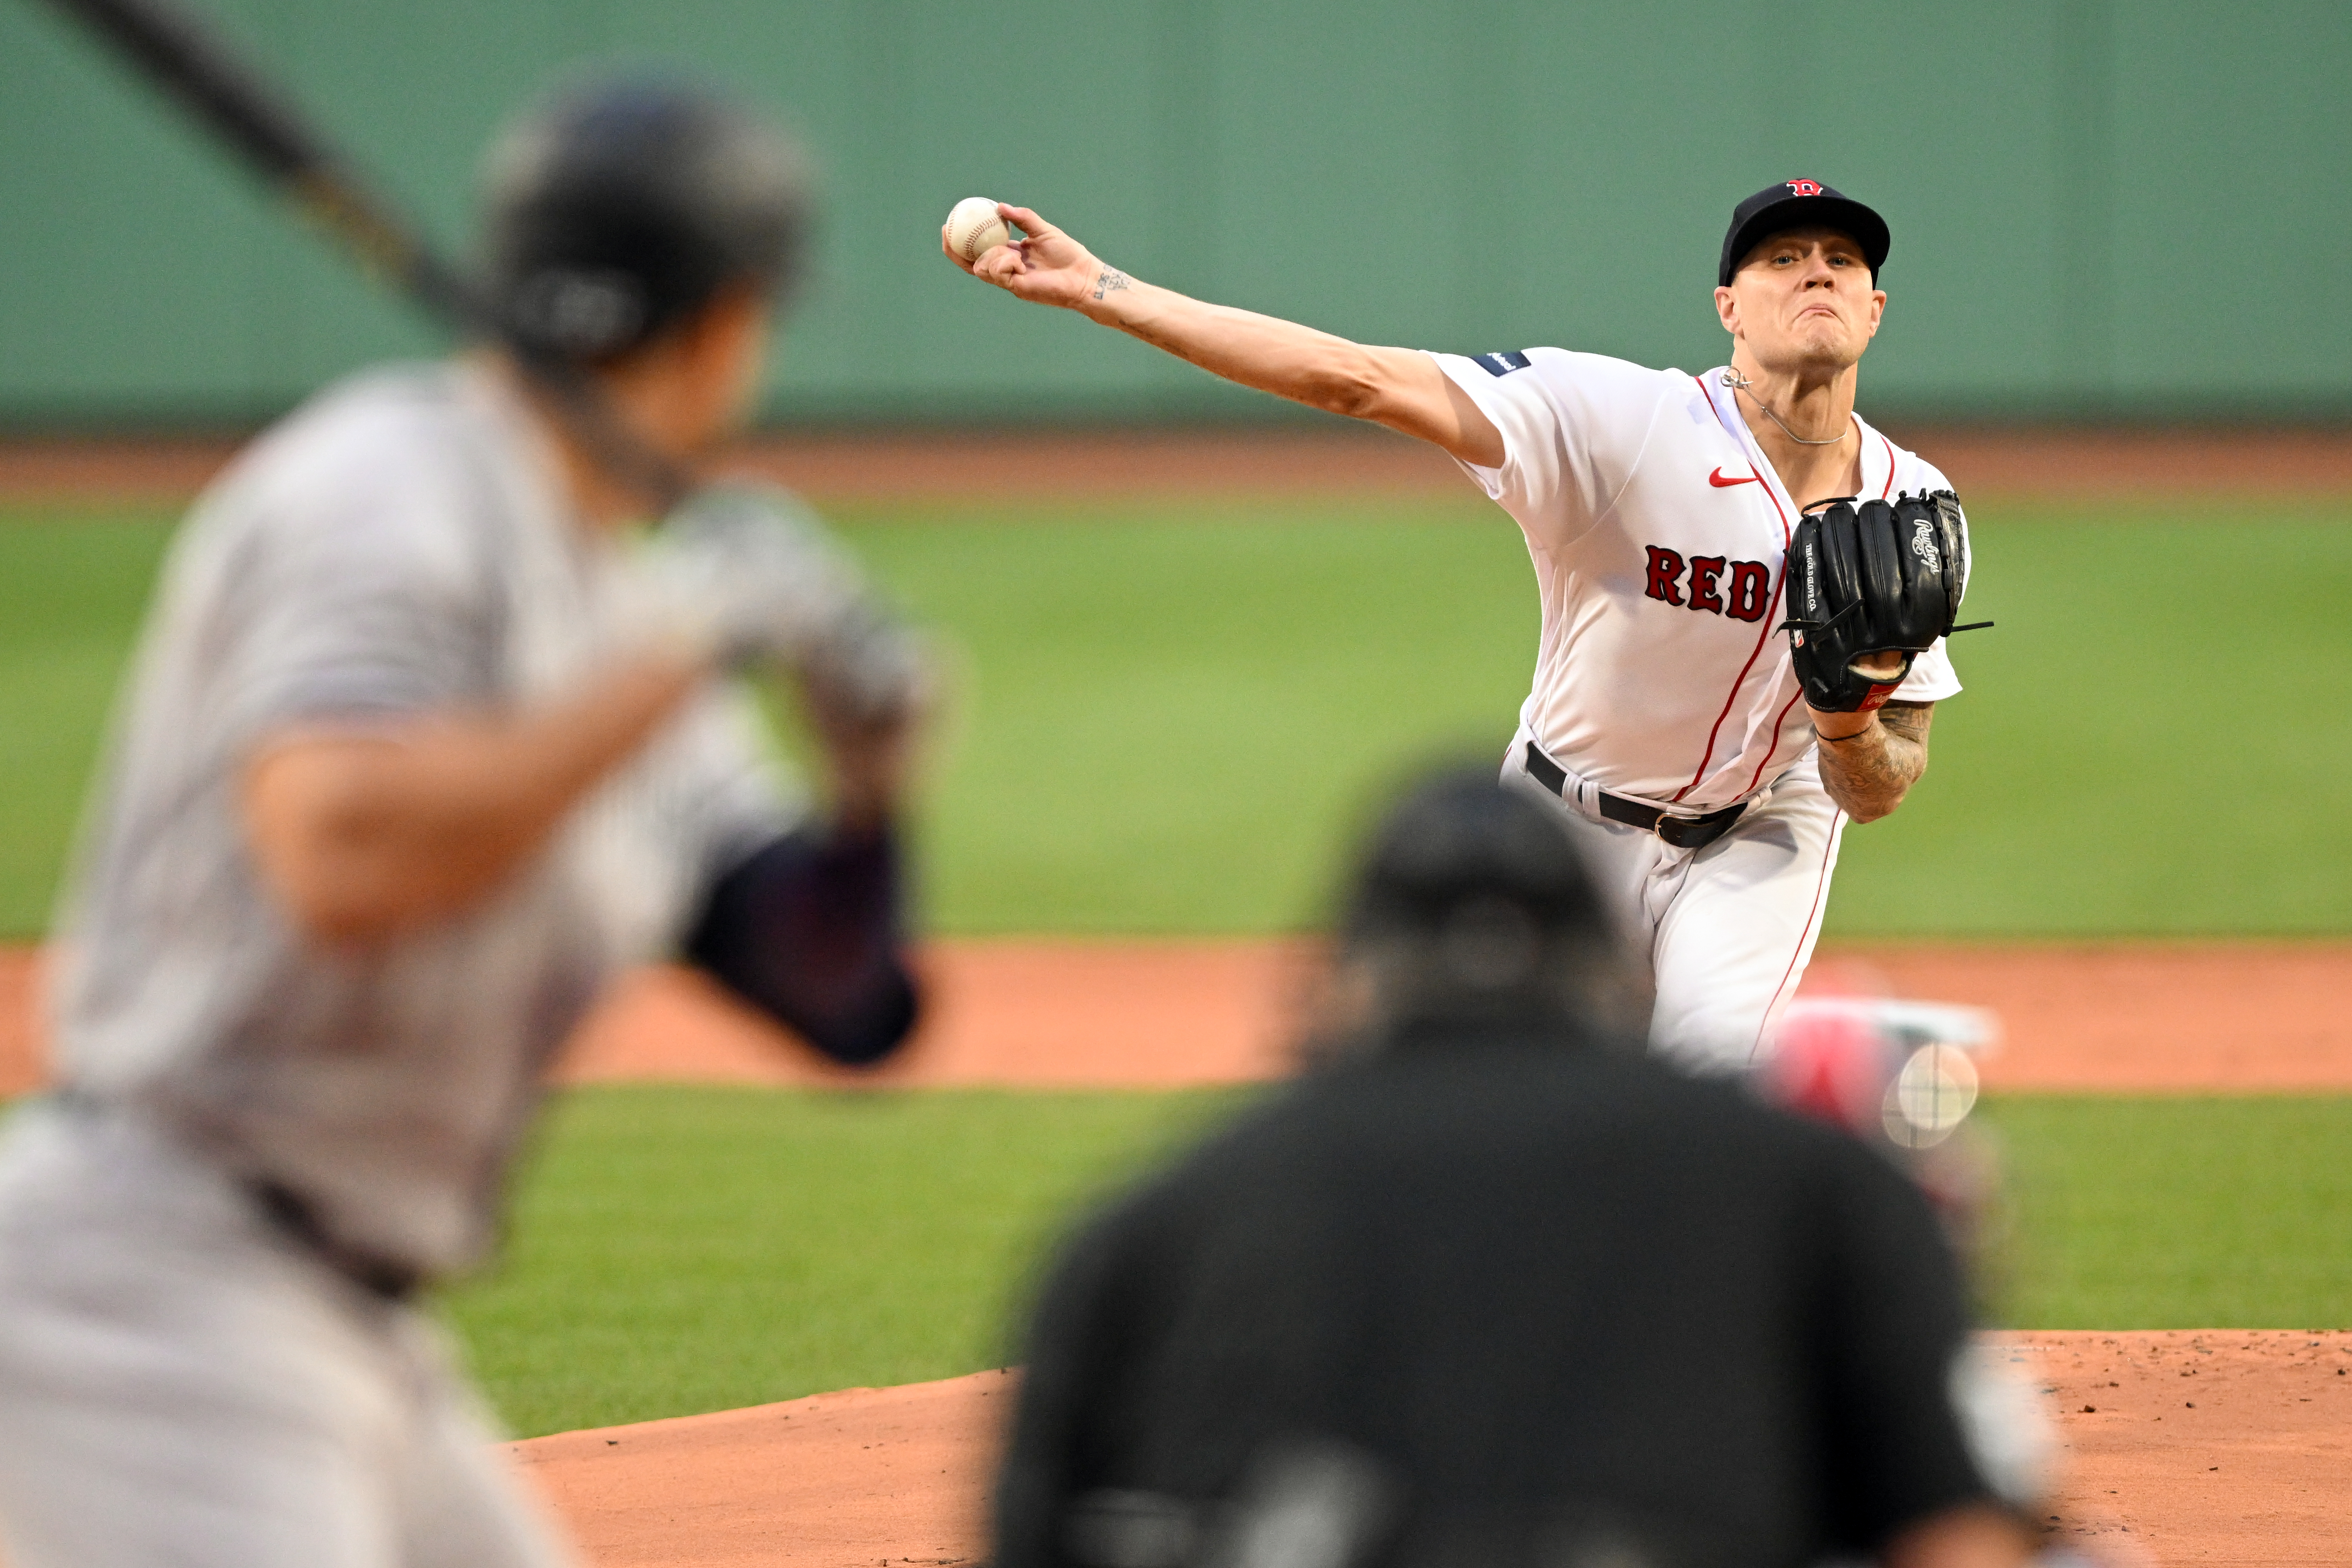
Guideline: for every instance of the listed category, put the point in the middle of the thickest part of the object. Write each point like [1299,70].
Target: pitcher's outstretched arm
[1401,388]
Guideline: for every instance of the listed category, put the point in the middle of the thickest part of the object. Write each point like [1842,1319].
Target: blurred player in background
[421,748]
[1492,1287]
[1664,723]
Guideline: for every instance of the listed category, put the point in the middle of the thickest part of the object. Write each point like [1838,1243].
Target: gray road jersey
[395,546]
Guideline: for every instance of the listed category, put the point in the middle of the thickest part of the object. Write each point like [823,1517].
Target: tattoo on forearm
[1909,720]
[1869,773]
[1109,280]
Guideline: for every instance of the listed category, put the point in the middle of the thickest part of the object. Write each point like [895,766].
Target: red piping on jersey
[1719,419]
[1733,695]
[1778,720]
[1890,464]
[1819,883]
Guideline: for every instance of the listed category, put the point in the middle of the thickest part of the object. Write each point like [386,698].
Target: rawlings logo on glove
[1876,579]
[1924,547]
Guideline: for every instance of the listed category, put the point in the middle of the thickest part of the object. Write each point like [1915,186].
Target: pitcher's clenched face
[1803,300]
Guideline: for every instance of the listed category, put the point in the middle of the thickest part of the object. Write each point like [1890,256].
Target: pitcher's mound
[2217,1447]
[894,1476]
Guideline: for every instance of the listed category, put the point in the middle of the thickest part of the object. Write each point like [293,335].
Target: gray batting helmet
[620,207]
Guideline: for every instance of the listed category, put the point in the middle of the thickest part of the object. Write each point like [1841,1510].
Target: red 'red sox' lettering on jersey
[1659,532]
[1746,591]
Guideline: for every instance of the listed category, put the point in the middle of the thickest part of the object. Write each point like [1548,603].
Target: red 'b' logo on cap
[1803,187]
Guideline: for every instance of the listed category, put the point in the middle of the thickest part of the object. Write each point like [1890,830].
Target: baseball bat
[263,129]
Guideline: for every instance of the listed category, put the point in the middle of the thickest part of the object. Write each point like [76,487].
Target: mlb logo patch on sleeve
[1501,364]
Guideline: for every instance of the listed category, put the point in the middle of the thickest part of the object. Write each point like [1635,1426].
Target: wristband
[1833,740]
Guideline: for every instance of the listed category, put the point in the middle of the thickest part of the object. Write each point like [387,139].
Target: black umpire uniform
[1489,1286]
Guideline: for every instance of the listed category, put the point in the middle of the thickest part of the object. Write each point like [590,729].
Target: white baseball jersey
[1658,531]
[398,546]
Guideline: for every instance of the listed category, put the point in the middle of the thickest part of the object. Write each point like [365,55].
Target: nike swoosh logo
[1719,482]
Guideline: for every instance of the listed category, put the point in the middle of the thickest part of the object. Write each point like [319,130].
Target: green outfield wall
[2100,209]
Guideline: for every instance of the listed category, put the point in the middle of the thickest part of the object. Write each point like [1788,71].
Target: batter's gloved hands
[750,576]
[1875,586]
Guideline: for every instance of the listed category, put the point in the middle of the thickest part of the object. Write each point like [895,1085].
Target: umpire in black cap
[1487,1286]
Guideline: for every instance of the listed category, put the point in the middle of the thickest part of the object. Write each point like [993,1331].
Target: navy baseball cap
[1800,204]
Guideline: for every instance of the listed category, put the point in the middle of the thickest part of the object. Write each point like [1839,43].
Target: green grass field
[1172,715]
[684,1249]
[679,1250]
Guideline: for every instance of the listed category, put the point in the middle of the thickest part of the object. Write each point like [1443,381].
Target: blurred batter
[420,749]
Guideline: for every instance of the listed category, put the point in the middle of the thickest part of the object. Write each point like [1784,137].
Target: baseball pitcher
[1746,588]
[420,747]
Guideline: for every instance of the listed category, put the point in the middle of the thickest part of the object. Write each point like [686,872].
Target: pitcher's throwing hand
[1044,265]
[1667,723]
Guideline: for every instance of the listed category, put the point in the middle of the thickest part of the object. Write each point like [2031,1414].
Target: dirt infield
[1034,1013]
[890,1476]
[2123,1019]
[949,465]
[2169,1018]
[2217,1449]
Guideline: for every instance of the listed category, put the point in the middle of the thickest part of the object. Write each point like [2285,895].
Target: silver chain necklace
[1738,383]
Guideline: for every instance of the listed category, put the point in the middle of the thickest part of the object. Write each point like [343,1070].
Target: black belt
[1681,832]
[291,1213]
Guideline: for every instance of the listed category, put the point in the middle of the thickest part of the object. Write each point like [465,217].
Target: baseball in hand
[974,229]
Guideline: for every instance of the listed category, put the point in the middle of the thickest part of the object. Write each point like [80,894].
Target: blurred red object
[1901,1077]
[1833,1063]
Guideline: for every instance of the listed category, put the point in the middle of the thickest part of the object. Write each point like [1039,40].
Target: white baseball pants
[1729,928]
[181,1385]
